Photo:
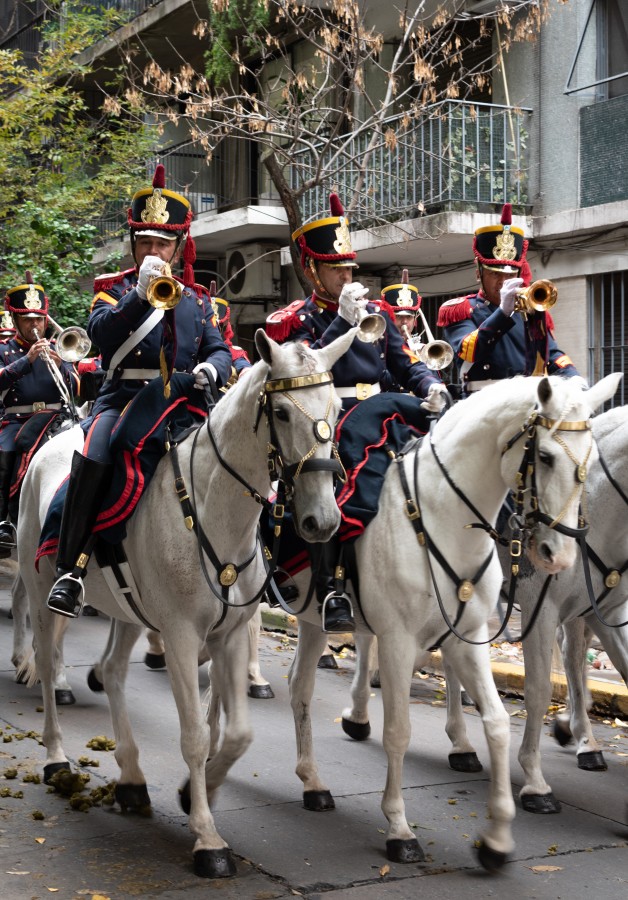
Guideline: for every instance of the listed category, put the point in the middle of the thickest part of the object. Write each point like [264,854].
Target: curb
[609,698]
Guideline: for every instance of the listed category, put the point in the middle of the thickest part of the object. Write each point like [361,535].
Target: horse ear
[264,345]
[332,353]
[544,391]
[603,390]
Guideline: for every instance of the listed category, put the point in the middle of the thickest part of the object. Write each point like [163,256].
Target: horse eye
[282,414]
[546,458]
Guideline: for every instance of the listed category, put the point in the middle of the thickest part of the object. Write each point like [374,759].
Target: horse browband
[299,381]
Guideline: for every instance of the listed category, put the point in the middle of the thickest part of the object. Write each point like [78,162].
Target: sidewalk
[608,691]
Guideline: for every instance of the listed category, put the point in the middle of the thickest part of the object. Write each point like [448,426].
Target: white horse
[412,594]
[282,414]
[566,605]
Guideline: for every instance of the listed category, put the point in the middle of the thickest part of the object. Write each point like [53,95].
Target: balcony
[459,155]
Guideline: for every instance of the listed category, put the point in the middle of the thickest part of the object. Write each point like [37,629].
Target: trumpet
[433,354]
[371,326]
[164,291]
[73,344]
[538,297]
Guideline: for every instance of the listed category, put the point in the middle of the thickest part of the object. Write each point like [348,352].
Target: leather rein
[521,521]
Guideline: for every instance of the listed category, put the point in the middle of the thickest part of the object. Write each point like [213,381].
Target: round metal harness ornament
[465,591]
[228,576]
[612,579]
[322,430]
[581,474]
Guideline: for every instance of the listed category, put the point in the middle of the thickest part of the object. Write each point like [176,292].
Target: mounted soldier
[492,337]
[148,325]
[335,306]
[37,387]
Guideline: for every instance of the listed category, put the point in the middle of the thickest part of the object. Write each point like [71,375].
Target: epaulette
[107,281]
[455,310]
[282,322]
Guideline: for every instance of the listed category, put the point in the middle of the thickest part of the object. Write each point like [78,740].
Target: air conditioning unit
[253,271]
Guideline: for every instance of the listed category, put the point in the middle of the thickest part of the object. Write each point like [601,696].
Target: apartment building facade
[550,136]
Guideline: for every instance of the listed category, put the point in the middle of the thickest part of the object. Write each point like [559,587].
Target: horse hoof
[541,804]
[318,801]
[155,660]
[562,733]
[53,768]
[94,683]
[359,731]
[465,762]
[133,798]
[327,661]
[20,678]
[408,851]
[261,692]
[592,761]
[214,863]
[185,799]
[64,697]
[491,860]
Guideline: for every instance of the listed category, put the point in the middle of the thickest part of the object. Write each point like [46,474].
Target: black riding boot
[335,605]
[7,531]
[89,481]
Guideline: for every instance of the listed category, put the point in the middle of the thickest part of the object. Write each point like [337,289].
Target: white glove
[151,267]
[350,302]
[436,399]
[507,295]
[201,376]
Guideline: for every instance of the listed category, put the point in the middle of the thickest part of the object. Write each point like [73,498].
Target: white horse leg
[19,608]
[131,791]
[155,656]
[301,678]
[396,664]
[462,756]
[212,856]
[355,718]
[473,663]
[259,688]
[47,627]
[536,794]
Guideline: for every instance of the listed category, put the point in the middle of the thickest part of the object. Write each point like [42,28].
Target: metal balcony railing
[457,155]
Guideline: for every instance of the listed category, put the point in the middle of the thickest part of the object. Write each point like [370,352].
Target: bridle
[521,521]
[285,474]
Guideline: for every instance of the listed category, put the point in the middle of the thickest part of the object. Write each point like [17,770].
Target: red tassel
[453,311]
[526,273]
[159,178]
[385,306]
[404,277]
[189,258]
[29,278]
[213,289]
[335,205]
[507,214]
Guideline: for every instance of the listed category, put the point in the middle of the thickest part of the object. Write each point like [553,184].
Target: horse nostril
[309,525]
[546,552]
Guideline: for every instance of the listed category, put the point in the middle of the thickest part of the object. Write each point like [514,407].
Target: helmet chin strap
[318,284]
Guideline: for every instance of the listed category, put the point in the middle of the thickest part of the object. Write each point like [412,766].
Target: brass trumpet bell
[436,355]
[164,291]
[372,327]
[538,297]
[73,344]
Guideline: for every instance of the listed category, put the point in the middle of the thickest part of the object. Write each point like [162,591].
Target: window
[608,329]
[606,25]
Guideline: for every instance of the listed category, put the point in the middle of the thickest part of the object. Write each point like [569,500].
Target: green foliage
[64,157]
[234,27]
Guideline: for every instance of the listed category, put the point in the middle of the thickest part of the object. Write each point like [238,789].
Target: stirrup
[60,609]
[346,619]
[13,542]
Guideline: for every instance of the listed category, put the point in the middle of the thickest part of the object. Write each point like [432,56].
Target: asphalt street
[47,848]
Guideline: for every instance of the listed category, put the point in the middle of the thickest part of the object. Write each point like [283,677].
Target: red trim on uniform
[452,312]
[49,548]
[280,324]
